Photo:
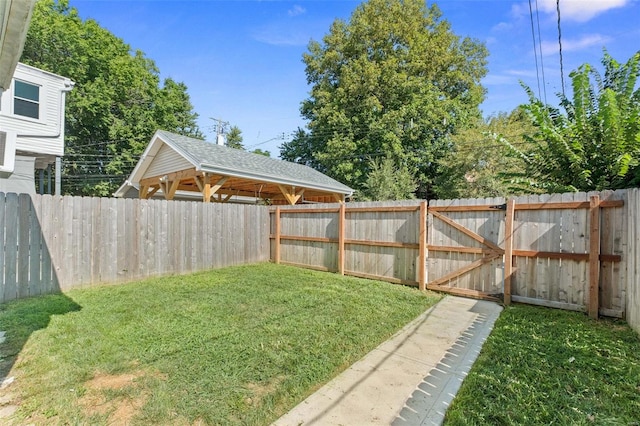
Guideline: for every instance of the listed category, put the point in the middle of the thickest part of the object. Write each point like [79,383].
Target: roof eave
[228,171]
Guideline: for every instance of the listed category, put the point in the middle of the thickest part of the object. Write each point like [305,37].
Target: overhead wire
[544,82]
[535,52]
[560,45]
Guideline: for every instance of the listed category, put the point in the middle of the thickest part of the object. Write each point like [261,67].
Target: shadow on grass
[19,319]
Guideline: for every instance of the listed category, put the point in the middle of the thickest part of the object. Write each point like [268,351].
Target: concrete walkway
[408,380]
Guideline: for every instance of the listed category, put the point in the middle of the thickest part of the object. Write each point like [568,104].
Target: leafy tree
[394,80]
[477,165]
[388,181]
[261,152]
[594,143]
[301,150]
[234,138]
[117,103]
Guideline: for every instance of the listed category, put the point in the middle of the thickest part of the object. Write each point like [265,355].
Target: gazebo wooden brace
[291,195]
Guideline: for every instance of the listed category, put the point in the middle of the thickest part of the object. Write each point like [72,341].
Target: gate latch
[499,207]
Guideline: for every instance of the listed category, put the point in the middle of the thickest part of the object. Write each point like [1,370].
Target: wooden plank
[22,272]
[94,244]
[302,209]
[49,278]
[460,249]
[305,266]
[35,251]
[594,256]
[632,211]
[540,286]
[11,247]
[464,208]
[305,238]
[527,206]
[122,242]
[468,232]
[383,209]
[567,205]
[548,303]
[567,256]
[341,238]
[612,240]
[461,271]
[3,216]
[385,278]
[179,175]
[66,256]
[611,313]
[465,292]
[382,244]
[422,256]
[277,233]
[82,217]
[508,250]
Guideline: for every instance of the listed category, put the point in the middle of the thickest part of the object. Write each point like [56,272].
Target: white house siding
[48,130]
[167,161]
[21,180]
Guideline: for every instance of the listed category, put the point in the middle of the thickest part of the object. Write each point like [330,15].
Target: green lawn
[238,345]
[544,366]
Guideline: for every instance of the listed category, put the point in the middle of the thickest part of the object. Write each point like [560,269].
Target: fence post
[594,256]
[277,239]
[422,273]
[341,231]
[508,250]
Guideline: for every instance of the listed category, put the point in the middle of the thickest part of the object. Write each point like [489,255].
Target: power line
[535,52]
[560,44]
[280,137]
[544,82]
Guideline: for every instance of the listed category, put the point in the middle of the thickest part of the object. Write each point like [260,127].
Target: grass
[543,366]
[239,345]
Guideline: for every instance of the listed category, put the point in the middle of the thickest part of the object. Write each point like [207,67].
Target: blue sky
[242,60]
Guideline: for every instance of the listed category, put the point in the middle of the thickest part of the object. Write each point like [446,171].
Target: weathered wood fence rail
[571,251]
[51,243]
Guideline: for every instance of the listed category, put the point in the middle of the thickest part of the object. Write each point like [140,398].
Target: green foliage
[301,149]
[238,345]
[234,138]
[393,80]
[477,165]
[543,366]
[117,103]
[594,144]
[389,181]
[261,152]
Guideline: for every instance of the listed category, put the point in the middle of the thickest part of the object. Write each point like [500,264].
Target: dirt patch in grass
[260,390]
[119,397]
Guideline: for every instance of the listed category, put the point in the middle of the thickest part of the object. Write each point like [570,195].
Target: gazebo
[179,167]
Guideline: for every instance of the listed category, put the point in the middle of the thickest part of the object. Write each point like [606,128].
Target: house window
[26,99]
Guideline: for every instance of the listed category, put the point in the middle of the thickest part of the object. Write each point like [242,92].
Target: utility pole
[220,127]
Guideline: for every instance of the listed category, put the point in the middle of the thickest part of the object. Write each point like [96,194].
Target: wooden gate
[481,248]
[465,244]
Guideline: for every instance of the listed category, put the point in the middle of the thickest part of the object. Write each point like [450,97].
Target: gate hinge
[499,207]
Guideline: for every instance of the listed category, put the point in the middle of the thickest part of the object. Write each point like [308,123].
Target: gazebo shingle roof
[175,164]
[215,158]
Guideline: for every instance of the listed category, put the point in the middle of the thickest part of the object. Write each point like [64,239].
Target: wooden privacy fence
[51,243]
[561,250]
[379,241]
[564,250]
